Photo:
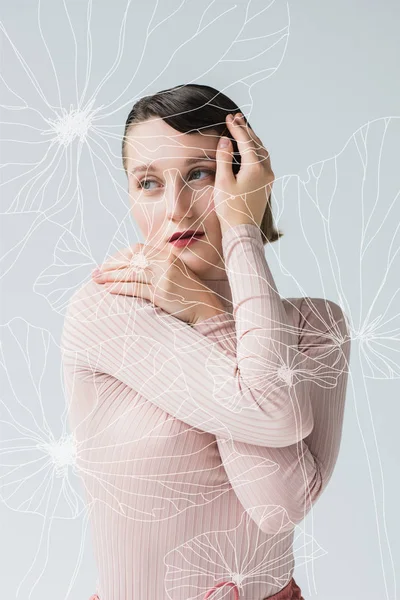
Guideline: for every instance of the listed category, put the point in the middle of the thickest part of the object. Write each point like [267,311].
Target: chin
[198,264]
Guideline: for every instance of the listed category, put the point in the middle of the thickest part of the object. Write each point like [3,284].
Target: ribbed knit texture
[201,447]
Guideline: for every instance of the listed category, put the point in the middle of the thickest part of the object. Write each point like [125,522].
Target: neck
[221,288]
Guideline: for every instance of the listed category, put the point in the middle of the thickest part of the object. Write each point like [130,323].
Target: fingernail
[223,142]
[95,272]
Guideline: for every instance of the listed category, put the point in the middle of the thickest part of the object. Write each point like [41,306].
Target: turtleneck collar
[222,289]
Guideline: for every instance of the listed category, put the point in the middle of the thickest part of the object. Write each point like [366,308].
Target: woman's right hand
[242,199]
[166,281]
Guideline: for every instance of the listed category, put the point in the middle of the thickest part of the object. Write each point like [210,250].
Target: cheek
[212,227]
[214,233]
[205,213]
[203,204]
[140,217]
[151,221]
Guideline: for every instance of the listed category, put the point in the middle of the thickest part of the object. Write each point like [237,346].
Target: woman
[207,410]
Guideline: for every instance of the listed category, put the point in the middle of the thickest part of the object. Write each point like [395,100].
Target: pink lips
[187,240]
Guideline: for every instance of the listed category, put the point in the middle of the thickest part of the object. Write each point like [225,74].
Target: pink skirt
[291,591]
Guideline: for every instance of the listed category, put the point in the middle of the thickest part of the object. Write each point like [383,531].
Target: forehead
[155,140]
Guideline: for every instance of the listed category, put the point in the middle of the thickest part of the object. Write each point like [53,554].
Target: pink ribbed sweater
[201,447]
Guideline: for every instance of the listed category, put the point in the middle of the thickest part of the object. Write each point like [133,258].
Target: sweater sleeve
[278,486]
[247,397]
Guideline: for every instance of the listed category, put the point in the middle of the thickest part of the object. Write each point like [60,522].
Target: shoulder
[81,310]
[91,304]
[83,299]
[323,314]
[94,315]
[92,300]
[318,319]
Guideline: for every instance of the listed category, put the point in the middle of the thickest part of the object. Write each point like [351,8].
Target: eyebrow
[151,166]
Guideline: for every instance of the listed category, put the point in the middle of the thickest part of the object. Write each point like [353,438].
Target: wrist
[231,222]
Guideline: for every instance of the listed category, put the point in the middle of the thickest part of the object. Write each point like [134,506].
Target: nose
[178,197]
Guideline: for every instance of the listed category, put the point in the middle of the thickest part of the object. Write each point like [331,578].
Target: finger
[224,161]
[248,147]
[261,151]
[257,144]
[118,260]
[128,273]
[122,258]
[134,289]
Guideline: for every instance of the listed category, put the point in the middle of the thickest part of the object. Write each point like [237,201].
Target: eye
[142,184]
[208,171]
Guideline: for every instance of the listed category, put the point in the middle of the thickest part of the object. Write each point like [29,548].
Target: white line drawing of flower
[377,332]
[354,194]
[365,281]
[47,461]
[38,452]
[232,555]
[60,131]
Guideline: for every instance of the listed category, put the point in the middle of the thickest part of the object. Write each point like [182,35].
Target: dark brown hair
[193,108]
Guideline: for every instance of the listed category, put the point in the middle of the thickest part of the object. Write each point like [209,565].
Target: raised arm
[248,397]
[280,485]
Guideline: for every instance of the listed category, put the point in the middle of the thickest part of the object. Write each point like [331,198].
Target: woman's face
[171,179]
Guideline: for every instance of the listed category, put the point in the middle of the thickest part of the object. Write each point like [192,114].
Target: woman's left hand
[166,282]
[242,198]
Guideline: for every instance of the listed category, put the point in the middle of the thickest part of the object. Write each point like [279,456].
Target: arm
[182,372]
[280,485]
